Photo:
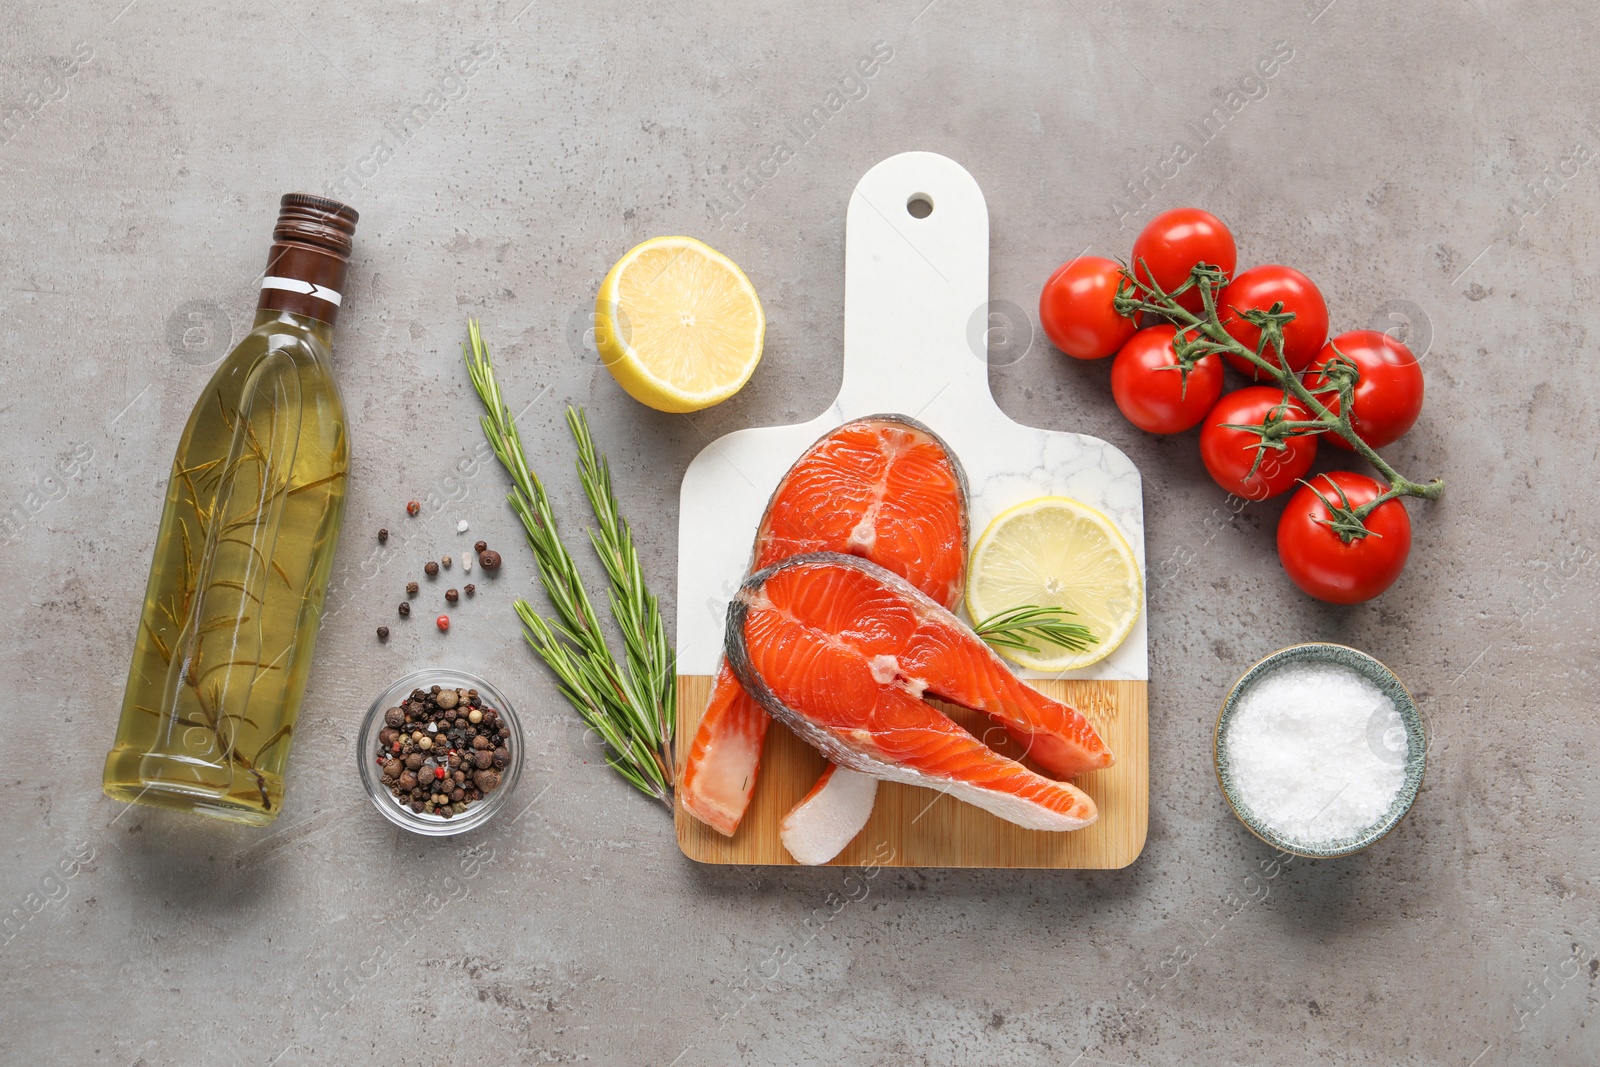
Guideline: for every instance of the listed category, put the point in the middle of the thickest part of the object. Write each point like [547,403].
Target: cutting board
[916,309]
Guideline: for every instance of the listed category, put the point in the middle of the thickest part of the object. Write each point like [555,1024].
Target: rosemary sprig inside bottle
[632,705]
[1025,628]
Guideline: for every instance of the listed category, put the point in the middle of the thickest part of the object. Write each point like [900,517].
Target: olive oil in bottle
[245,547]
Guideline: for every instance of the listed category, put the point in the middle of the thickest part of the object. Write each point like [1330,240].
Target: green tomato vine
[1201,335]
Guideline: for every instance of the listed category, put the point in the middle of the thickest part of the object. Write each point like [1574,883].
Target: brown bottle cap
[316,220]
[310,256]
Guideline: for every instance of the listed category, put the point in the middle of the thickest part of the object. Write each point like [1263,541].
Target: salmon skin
[885,488]
[843,651]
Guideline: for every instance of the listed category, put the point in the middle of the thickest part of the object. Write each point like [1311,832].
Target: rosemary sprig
[1025,628]
[632,708]
[651,661]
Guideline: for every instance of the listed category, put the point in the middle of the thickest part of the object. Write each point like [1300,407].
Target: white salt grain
[1316,752]
[461,527]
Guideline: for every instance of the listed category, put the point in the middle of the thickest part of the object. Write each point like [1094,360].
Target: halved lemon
[678,324]
[1057,552]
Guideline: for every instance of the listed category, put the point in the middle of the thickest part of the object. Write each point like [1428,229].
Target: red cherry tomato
[1174,241]
[1258,289]
[1151,389]
[1228,454]
[1319,561]
[1076,312]
[1388,396]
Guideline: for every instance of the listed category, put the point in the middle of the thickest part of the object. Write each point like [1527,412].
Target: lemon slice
[1057,552]
[678,324]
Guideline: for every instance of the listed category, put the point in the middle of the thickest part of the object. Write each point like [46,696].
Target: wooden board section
[915,827]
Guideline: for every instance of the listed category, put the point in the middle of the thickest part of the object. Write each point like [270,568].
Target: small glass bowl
[367,746]
[1410,720]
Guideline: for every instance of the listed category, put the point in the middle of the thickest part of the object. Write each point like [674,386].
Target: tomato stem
[1201,335]
[1342,518]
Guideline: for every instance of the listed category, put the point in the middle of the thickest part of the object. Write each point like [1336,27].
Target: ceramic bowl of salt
[1319,750]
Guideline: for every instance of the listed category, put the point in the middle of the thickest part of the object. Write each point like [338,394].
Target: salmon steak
[843,651]
[884,488]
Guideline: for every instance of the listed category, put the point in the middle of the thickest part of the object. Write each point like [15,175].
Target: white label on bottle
[295,285]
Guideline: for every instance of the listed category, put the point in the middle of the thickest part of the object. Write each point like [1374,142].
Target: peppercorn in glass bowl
[441,742]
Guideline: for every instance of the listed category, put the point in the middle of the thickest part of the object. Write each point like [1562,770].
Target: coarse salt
[461,527]
[1316,752]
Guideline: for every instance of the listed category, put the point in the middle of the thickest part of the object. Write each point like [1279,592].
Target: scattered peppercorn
[469,588]
[481,547]
[451,595]
[411,589]
[383,633]
[383,535]
[445,562]
[405,609]
[431,569]
[443,623]
[490,560]
[413,506]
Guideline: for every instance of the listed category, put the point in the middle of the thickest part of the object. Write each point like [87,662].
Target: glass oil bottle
[245,547]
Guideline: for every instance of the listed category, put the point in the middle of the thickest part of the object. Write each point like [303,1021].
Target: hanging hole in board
[919,206]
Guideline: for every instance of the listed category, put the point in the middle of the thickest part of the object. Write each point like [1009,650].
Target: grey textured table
[1432,166]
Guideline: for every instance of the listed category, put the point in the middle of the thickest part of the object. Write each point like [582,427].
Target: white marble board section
[913,290]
